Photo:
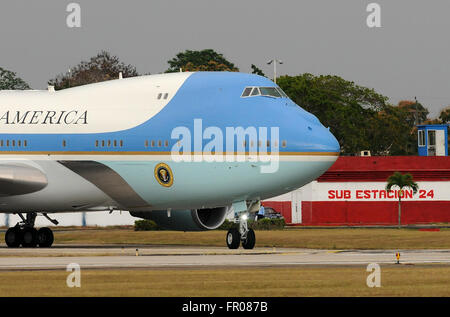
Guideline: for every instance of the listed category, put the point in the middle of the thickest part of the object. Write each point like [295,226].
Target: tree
[445,115]
[391,134]
[205,60]
[359,117]
[10,81]
[257,71]
[99,68]
[401,181]
[417,113]
[348,109]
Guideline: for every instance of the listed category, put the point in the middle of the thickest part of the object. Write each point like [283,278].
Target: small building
[352,193]
[432,139]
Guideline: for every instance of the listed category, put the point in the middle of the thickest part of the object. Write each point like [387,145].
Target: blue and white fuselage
[111,145]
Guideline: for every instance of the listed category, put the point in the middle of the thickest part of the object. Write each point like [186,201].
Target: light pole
[274,61]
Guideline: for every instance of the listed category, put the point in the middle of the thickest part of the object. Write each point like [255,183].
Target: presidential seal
[163,175]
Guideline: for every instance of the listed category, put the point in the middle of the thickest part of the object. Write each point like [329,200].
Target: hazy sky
[408,56]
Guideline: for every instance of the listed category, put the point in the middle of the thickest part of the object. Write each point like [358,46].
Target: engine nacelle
[186,220]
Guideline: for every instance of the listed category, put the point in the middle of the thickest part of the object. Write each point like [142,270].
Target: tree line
[359,117]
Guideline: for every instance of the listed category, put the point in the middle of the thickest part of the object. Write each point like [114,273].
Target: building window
[166,95]
[121,143]
[431,137]
[159,143]
[283,143]
[421,138]
[159,96]
[64,143]
[153,143]
[166,143]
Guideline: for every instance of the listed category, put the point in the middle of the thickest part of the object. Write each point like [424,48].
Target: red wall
[374,213]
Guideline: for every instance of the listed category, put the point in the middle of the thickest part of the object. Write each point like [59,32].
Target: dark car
[270,213]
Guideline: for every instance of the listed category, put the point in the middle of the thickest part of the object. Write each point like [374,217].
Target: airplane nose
[307,133]
[326,142]
[315,138]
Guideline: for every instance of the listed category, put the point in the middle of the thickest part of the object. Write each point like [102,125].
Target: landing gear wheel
[249,242]
[29,237]
[13,237]
[45,238]
[233,238]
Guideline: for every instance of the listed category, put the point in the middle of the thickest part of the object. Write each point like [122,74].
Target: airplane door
[440,143]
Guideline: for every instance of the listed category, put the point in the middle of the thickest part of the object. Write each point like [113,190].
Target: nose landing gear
[24,234]
[243,234]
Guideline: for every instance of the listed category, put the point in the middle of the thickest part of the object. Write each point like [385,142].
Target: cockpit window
[255,91]
[274,92]
[270,91]
[282,92]
[246,92]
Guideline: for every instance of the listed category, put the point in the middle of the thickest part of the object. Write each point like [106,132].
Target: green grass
[299,238]
[229,282]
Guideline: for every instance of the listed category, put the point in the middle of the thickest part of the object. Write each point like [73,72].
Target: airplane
[158,146]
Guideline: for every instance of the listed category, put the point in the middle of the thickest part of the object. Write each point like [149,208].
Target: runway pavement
[114,257]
